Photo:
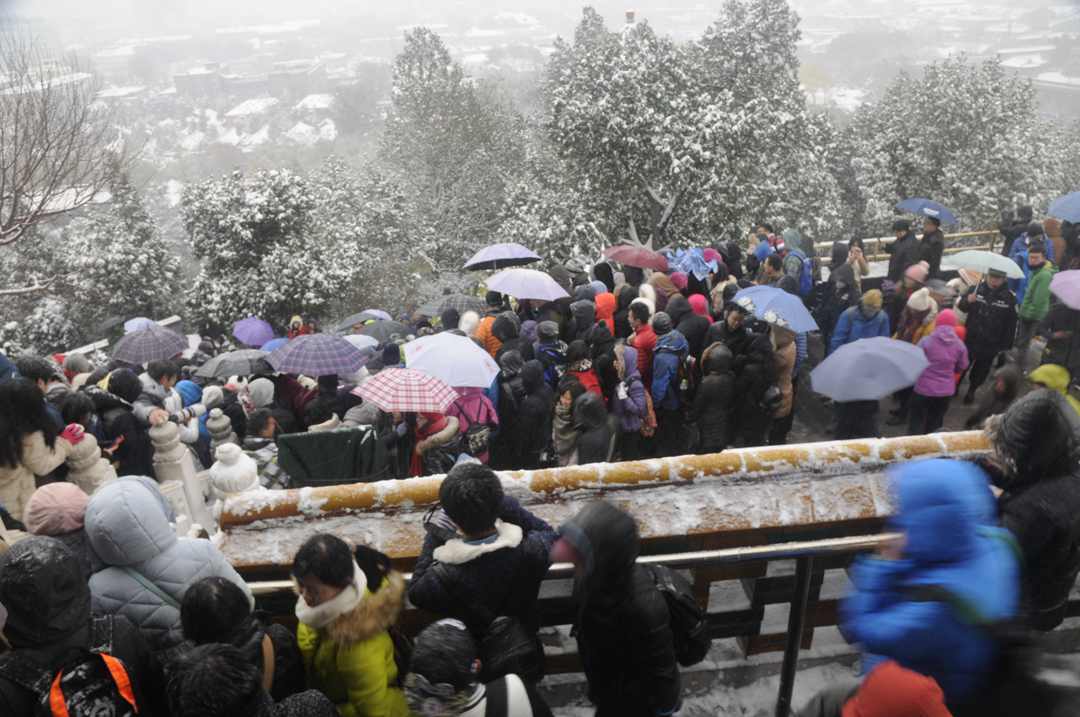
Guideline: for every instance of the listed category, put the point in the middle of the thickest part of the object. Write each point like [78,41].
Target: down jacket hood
[605,306]
[607,540]
[584,312]
[1039,435]
[126,524]
[375,613]
[677,308]
[589,411]
[45,592]
[504,328]
[717,359]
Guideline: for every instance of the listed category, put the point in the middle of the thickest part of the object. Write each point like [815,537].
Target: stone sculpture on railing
[87,468]
[173,463]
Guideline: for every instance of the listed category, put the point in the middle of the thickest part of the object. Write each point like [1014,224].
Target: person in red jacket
[579,366]
[643,340]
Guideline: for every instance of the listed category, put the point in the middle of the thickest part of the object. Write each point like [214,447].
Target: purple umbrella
[252,331]
[317,355]
[1066,286]
[501,256]
[153,343]
[526,284]
[274,344]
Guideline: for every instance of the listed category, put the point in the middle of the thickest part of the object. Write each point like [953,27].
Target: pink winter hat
[680,280]
[56,509]
[946,318]
[918,272]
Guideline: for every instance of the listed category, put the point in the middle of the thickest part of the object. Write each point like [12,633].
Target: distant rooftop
[118,92]
[315,102]
[256,106]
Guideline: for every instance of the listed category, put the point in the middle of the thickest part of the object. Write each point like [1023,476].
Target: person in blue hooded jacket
[671,349]
[951,544]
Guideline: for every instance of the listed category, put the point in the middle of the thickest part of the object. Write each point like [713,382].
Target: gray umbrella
[245,362]
[386,331]
[150,344]
[459,302]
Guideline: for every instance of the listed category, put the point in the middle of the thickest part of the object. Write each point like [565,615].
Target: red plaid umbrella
[405,390]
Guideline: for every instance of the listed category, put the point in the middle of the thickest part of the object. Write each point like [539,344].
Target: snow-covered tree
[452,144]
[966,135]
[688,143]
[251,235]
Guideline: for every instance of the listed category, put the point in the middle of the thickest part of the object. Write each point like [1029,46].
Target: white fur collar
[344,602]
[457,551]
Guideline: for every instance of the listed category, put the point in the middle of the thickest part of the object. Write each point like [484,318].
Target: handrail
[697,558]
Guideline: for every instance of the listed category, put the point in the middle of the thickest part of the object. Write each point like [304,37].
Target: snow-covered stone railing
[720,500]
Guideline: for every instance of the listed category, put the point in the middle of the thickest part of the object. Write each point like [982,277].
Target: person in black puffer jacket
[216,610]
[1036,462]
[712,402]
[687,323]
[133,455]
[584,318]
[596,430]
[534,421]
[506,445]
[623,626]
[48,602]
[462,576]
[991,326]
[626,295]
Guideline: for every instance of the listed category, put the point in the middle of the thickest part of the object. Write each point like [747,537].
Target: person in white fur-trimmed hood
[484,555]
[444,679]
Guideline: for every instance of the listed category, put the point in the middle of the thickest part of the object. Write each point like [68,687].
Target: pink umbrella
[639,256]
[406,390]
[1066,286]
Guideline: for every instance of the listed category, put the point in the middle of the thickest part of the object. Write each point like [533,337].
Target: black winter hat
[45,593]
[661,323]
[901,225]
[493,299]
[1024,213]
[450,318]
[124,383]
[1038,435]
[578,350]
[547,331]
[444,654]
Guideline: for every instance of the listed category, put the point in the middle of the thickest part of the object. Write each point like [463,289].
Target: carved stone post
[87,469]
[173,462]
[220,428]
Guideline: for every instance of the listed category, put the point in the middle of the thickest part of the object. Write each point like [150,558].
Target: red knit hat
[892,691]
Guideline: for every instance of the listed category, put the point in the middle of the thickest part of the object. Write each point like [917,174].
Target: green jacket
[351,660]
[1037,297]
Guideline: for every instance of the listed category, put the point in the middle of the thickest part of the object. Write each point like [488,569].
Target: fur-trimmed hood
[375,613]
[458,552]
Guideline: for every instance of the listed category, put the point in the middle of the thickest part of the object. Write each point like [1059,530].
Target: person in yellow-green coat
[1056,378]
[348,601]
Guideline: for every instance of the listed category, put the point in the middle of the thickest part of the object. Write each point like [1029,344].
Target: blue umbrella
[778,307]
[868,369]
[1066,208]
[927,208]
[274,344]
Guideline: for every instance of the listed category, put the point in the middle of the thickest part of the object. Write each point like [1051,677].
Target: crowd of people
[102,604]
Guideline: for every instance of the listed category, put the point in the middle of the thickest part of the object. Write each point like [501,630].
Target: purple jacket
[631,410]
[947,356]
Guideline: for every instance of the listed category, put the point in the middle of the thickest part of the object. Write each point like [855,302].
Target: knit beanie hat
[946,318]
[56,509]
[262,392]
[891,691]
[661,323]
[680,280]
[234,471]
[918,272]
[871,299]
[212,397]
[920,300]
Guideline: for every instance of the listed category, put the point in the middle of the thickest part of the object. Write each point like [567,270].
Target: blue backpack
[806,276]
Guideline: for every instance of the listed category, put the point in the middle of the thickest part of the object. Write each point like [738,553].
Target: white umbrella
[526,284]
[983,262]
[456,360]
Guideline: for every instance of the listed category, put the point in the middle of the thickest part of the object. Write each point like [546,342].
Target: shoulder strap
[149,585]
[498,700]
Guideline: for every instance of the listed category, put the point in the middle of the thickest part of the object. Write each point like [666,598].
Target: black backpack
[689,624]
[86,685]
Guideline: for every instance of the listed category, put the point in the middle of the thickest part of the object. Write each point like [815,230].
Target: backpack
[689,624]
[86,685]
[477,437]
[806,275]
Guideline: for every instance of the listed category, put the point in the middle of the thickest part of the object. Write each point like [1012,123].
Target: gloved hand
[159,416]
[621,391]
[73,433]
[401,429]
[196,410]
[438,523]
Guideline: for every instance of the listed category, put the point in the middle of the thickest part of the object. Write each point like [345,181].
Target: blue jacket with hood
[671,349]
[948,515]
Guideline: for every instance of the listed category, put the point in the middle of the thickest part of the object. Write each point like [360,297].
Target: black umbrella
[245,362]
[386,331]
